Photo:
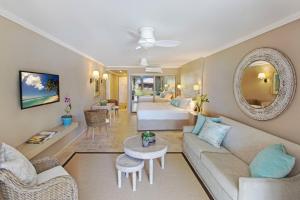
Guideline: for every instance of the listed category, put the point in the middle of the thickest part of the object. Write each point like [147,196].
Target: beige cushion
[226,169]
[198,146]
[188,129]
[17,164]
[51,173]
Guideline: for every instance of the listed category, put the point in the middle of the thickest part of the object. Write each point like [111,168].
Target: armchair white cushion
[53,183]
[13,161]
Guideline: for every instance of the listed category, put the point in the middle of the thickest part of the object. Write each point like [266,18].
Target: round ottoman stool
[128,165]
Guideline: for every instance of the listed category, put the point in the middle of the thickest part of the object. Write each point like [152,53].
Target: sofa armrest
[267,188]
[44,164]
[188,129]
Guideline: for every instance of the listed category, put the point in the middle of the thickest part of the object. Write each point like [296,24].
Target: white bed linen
[161,111]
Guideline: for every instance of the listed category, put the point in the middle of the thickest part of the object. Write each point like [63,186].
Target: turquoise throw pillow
[200,122]
[272,162]
[172,102]
[214,133]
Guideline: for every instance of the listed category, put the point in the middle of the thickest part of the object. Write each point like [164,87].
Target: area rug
[96,177]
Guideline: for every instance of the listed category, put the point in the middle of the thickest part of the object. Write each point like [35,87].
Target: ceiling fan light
[144,62]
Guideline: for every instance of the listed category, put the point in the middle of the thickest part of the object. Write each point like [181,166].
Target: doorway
[118,87]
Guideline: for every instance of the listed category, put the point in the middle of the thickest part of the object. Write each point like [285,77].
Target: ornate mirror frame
[287,88]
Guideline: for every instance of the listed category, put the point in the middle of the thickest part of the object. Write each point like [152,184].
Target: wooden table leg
[151,171]
[162,161]
[140,175]
[134,181]
[119,178]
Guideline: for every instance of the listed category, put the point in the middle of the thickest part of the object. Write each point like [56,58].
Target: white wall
[22,49]
[218,76]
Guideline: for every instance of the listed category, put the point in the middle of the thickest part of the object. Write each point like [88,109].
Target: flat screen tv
[38,89]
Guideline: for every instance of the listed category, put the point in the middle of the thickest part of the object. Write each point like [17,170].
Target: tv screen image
[38,89]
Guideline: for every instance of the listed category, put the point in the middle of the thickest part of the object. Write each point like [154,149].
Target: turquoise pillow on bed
[272,162]
[175,102]
[200,122]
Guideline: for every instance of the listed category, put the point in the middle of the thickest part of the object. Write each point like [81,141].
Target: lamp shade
[261,76]
[96,74]
[105,76]
[179,86]
[196,87]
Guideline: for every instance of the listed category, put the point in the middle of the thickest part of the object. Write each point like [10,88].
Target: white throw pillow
[185,103]
[213,133]
[17,164]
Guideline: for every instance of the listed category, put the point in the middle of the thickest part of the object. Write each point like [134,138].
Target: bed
[162,116]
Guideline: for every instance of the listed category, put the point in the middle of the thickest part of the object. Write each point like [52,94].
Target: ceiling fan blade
[167,43]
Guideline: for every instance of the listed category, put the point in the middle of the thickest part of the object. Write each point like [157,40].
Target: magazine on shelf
[41,137]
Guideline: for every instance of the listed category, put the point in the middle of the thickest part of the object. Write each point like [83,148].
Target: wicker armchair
[58,188]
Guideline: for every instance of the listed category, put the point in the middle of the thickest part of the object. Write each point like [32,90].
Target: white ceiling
[104,30]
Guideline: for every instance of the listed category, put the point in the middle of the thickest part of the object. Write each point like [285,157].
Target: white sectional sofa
[225,171]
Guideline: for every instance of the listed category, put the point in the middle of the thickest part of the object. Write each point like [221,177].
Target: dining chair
[116,106]
[96,119]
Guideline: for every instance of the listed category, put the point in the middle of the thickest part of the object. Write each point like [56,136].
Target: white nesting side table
[134,148]
[128,165]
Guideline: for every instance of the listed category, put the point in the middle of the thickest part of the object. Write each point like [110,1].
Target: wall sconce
[105,76]
[262,76]
[95,76]
[196,88]
[179,87]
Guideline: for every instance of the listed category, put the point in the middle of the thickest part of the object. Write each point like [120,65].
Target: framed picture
[276,83]
[96,88]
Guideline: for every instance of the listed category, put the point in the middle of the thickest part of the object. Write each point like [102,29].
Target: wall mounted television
[38,89]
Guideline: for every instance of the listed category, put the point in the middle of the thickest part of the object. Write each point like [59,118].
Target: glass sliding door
[136,89]
[146,88]
[142,88]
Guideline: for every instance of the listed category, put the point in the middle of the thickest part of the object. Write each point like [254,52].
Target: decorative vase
[67,120]
[146,142]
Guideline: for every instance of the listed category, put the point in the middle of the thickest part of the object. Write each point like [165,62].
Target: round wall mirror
[264,83]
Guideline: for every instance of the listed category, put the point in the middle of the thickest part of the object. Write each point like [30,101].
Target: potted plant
[200,100]
[103,102]
[148,138]
[67,118]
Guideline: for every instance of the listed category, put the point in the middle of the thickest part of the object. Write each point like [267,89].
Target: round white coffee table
[134,148]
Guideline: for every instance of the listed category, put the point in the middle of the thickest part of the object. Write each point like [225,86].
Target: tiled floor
[122,127]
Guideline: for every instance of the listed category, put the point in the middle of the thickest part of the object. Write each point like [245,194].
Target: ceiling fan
[147,40]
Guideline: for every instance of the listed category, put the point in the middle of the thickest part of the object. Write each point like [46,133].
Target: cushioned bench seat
[199,146]
[227,169]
